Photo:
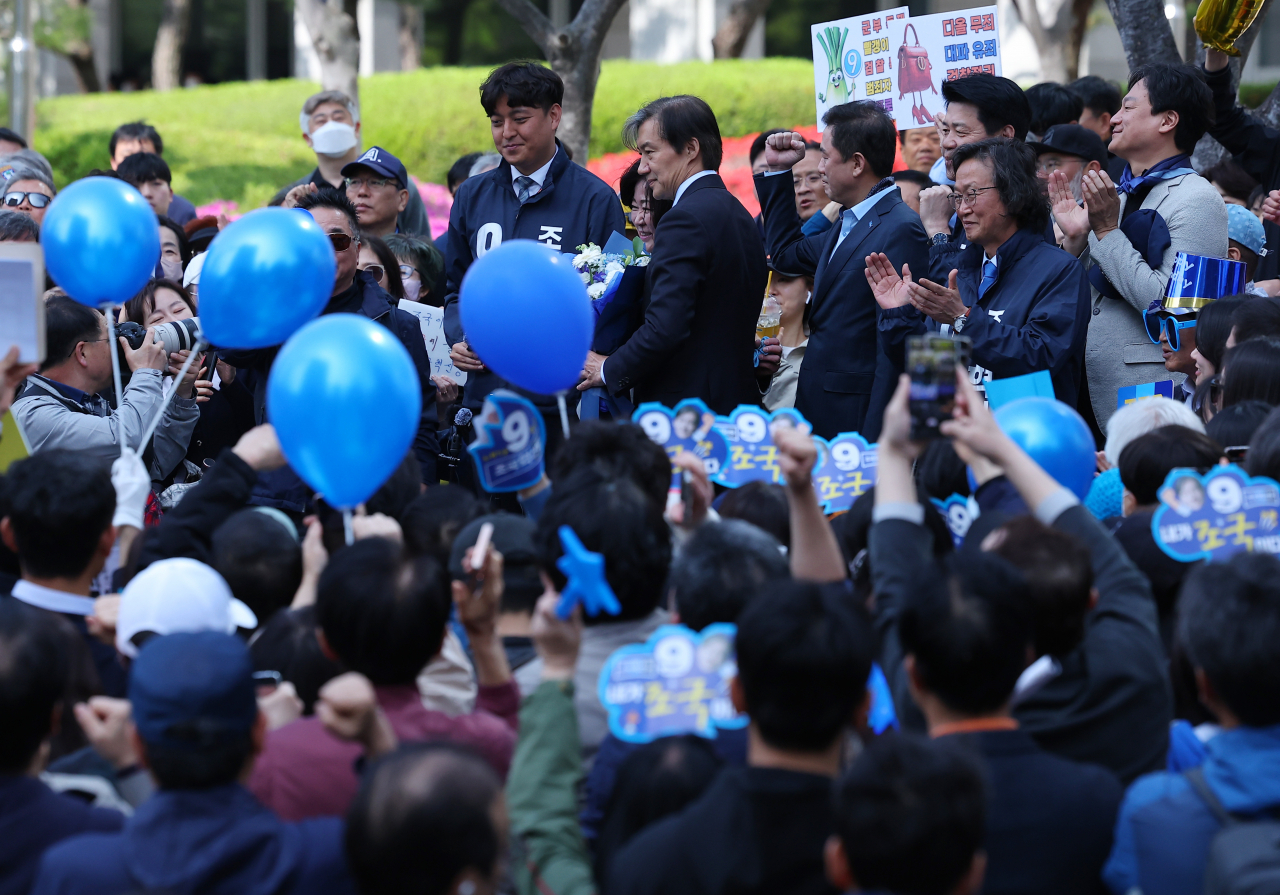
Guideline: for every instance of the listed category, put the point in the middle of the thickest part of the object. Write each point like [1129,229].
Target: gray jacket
[1118,352]
[50,420]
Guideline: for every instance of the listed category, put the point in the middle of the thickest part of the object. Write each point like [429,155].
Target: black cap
[1072,139]
[513,538]
[788,274]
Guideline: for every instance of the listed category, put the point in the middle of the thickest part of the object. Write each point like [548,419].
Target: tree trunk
[574,54]
[1144,31]
[454,14]
[166,58]
[333,33]
[1059,43]
[733,32]
[410,37]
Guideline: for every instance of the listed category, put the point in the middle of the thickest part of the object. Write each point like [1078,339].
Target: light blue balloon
[345,399]
[525,312]
[264,276]
[1056,437]
[101,241]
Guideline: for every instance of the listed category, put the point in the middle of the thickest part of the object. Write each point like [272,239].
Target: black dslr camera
[180,335]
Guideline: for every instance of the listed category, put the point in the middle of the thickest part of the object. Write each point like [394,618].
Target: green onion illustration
[833,46]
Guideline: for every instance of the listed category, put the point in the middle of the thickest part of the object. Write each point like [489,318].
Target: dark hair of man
[1251,372]
[433,519]
[1059,578]
[1234,426]
[383,613]
[144,167]
[260,560]
[139,308]
[1181,88]
[999,102]
[910,175]
[763,504]
[67,323]
[1234,180]
[1213,326]
[461,170]
[139,131]
[1051,104]
[18,227]
[969,627]
[287,643]
[654,781]
[1146,461]
[911,814]
[941,472]
[389,262]
[1098,96]
[1229,621]
[680,119]
[203,768]
[422,817]
[328,197]
[60,504]
[1264,448]
[12,137]
[852,531]
[615,451]
[863,127]
[1253,318]
[720,568]
[184,244]
[33,676]
[612,517]
[1013,172]
[758,144]
[804,654]
[528,84]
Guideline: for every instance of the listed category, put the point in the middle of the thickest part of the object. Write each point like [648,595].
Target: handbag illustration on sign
[915,75]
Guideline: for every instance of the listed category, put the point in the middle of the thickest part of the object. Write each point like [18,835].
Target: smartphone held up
[931,364]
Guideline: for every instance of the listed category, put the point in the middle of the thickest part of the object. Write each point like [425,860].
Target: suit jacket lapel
[846,251]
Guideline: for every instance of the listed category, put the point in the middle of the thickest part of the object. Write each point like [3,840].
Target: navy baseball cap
[378,159]
[193,691]
[1072,139]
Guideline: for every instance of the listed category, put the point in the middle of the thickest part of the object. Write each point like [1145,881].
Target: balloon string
[169,393]
[348,528]
[109,309]
[564,413]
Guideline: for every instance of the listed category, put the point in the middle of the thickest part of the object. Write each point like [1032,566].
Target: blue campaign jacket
[1164,829]
[1035,316]
[220,841]
[575,207]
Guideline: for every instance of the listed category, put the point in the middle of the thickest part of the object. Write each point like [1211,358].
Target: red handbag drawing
[915,74]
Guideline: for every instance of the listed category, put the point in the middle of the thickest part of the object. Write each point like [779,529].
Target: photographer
[60,407]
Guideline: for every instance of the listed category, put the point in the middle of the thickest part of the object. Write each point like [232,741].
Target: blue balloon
[345,399]
[264,276]
[525,312]
[101,241]
[1056,437]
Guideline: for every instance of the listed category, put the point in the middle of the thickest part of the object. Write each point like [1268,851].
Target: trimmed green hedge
[240,141]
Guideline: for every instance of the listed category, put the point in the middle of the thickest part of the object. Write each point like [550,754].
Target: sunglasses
[1170,324]
[341,241]
[377,271]
[36,200]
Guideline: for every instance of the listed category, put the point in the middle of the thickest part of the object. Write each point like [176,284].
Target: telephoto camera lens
[181,335]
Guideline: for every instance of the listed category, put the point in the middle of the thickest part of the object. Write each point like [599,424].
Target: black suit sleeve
[785,242]
[680,262]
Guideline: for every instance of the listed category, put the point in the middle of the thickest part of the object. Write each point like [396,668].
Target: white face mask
[411,289]
[334,138]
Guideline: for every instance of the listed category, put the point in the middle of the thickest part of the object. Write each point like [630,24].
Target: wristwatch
[940,239]
[958,324]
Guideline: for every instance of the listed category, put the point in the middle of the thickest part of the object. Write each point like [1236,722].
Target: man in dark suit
[837,390]
[708,274]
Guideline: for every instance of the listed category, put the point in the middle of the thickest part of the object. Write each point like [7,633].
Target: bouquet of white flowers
[602,271]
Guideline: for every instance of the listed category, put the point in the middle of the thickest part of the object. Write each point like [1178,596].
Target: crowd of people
[212,682]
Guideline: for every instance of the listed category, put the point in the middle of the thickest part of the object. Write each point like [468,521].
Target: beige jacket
[782,387]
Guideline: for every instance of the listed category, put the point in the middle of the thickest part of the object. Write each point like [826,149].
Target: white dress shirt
[43,597]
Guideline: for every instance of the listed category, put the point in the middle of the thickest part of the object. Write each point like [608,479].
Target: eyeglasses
[1049,167]
[377,271]
[37,200]
[341,241]
[958,199]
[814,179]
[378,182]
[407,270]
[1170,324]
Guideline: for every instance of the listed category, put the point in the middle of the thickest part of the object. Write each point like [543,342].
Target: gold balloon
[1221,22]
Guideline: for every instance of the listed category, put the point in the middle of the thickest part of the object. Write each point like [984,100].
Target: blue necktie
[988,277]
[526,188]
[848,220]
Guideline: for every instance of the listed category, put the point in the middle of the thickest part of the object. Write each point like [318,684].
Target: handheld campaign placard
[846,469]
[1215,515]
[432,322]
[676,682]
[936,48]
[690,427]
[955,509]
[748,431]
[1131,393]
[1029,385]
[510,440]
[852,60]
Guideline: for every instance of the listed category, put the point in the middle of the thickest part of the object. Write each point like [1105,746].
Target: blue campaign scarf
[1147,232]
[1174,166]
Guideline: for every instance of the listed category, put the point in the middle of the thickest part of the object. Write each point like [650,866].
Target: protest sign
[852,60]
[1215,515]
[676,682]
[936,48]
[1130,393]
[956,510]
[510,440]
[752,454]
[690,427]
[846,468]
[432,322]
